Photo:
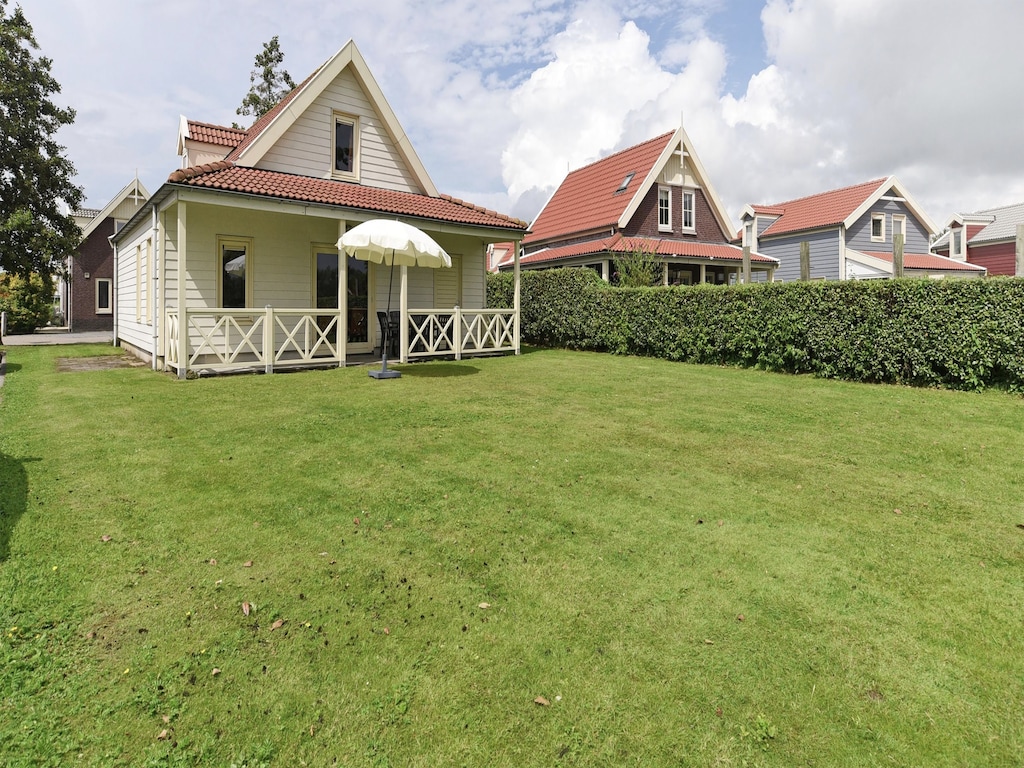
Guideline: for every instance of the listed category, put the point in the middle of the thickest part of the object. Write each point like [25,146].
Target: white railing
[459,332]
[221,340]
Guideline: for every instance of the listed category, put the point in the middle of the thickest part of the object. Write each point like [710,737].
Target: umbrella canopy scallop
[386,241]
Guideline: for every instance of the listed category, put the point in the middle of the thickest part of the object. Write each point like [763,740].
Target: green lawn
[691,565]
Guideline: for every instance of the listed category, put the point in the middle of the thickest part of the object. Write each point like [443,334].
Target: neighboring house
[87,293]
[984,238]
[654,197]
[234,263]
[849,232]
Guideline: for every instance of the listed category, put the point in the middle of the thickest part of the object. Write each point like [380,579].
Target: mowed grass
[689,565]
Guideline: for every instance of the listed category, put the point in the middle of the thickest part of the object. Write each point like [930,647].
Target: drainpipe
[113,298]
[153,292]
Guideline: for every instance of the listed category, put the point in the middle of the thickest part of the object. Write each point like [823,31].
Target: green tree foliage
[268,83]
[35,235]
[28,302]
[638,269]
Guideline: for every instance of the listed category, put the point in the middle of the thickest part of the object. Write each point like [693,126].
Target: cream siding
[129,329]
[305,148]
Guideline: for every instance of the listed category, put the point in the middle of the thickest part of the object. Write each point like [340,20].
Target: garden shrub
[27,302]
[959,334]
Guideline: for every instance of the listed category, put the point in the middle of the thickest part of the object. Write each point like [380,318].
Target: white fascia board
[348,56]
[868,261]
[132,187]
[890,183]
[182,134]
[671,146]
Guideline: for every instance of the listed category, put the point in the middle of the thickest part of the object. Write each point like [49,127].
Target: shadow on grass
[13,498]
[438,370]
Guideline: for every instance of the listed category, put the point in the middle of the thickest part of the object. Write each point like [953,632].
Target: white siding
[129,330]
[305,148]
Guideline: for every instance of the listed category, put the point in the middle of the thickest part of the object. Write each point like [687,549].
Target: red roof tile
[224,175]
[926,261]
[661,247]
[821,210]
[589,197]
[215,134]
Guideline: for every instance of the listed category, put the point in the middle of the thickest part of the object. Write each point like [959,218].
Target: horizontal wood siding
[129,330]
[305,148]
[824,254]
[858,236]
[998,258]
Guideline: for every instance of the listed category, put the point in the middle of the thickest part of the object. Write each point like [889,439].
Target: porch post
[342,324]
[182,298]
[268,339]
[403,330]
[664,273]
[516,247]
[746,264]
[703,273]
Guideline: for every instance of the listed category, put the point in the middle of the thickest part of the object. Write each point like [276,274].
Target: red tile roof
[926,261]
[822,210]
[661,247]
[225,175]
[215,134]
[588,199]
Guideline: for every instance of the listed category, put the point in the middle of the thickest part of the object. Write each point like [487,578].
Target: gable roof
[833,208]
[605,194]
[270,127]
[998,224]
[134,187]
[225,176]
[925,261]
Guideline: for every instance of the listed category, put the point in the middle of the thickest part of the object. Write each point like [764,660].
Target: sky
[780,98]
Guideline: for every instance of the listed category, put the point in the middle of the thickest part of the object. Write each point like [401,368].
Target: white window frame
[899,226]
[689,194]
[233,242]
[665,194]
[352,120]
[109,309]
[879,217]
[956,242]
[142,283]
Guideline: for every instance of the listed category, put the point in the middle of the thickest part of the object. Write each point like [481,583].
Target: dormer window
[345,152]
[955,248]
[877,227]
[625,182]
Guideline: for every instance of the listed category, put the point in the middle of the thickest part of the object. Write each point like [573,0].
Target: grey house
[849,232]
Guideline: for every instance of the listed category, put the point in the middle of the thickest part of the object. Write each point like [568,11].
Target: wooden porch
[220,340]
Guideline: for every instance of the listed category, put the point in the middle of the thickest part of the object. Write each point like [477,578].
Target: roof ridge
[996,208]
[229,128]
[874,182]
[481,209]
[183,174]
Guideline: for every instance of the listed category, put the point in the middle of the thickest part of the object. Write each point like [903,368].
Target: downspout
[113,298]
[155,282]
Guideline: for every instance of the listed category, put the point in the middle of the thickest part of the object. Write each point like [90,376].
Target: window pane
[102,294]
[688,210]
[234,264]
[344,151]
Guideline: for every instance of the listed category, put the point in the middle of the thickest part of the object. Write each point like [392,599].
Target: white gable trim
[679,142]
[348,56]
[891,183]
[134,187]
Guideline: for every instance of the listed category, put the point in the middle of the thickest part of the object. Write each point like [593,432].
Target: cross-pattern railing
[222,340]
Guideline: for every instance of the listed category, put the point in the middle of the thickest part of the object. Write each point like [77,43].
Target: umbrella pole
[384,373]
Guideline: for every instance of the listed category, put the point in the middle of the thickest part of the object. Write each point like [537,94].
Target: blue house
[850,234]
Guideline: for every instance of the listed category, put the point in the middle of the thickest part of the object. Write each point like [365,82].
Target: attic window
[346,146]
[625,182]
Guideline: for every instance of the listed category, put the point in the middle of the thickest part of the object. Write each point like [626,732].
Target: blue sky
[781,98]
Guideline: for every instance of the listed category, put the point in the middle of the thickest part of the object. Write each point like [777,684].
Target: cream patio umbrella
[387,241]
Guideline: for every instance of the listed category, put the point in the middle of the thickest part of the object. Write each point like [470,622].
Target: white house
[233,263]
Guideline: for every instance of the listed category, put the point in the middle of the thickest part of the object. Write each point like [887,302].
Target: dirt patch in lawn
[101,363]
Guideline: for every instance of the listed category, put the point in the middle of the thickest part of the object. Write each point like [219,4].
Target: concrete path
[57,337]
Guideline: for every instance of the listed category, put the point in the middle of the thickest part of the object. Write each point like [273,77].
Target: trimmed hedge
[958,334]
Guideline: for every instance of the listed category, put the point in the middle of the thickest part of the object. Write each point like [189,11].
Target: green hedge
[959,334]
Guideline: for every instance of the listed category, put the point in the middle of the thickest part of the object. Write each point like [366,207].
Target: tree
[35,177]
[268,83]
[28,302]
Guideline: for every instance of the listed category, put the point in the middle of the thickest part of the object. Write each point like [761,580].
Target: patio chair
[390,332]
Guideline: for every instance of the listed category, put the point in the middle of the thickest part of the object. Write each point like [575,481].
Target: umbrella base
[385,373]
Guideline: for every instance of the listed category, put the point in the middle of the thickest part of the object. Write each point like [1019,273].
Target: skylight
[625,182]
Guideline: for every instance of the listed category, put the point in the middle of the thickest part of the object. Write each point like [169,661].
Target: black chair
[389,331]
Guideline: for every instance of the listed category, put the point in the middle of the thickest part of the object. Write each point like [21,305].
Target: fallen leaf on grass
[215,672]
[212,561]
[898,511]
[741,617]
[718,711]
[166,718]
[708,642]
[246,608]
[542,701]
[163,735]
[277,625]
[105,538]
[484,606]
[387,631]
[247,564]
